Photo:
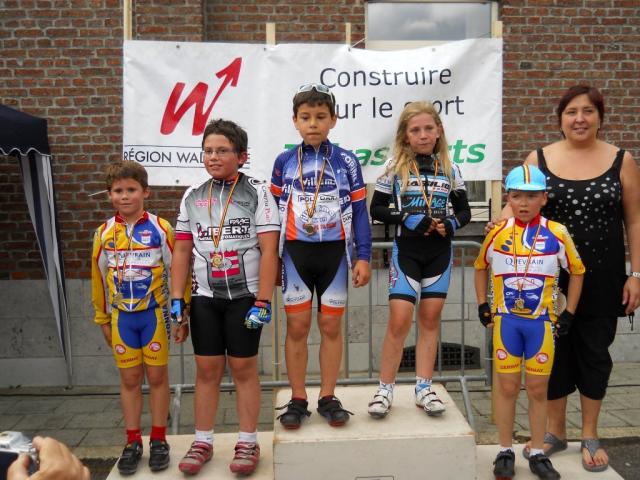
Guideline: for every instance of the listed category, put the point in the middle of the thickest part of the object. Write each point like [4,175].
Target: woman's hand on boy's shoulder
[361,273]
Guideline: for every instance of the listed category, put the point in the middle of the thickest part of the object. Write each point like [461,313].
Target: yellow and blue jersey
[510,247]
[130,265]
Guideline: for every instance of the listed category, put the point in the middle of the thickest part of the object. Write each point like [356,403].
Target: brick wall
[63,60]
[296,20]
[550,45]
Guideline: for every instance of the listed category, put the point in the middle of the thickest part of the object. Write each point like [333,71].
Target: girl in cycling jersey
[415,193]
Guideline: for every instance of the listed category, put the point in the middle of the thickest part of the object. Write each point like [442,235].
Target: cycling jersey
[343,169]
[230,270]
[130,263]
[434,185]
[324,225]
[528,289]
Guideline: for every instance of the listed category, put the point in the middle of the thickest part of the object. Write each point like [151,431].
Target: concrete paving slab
[43,421]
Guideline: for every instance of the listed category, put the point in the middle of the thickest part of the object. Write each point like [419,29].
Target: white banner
[172,89]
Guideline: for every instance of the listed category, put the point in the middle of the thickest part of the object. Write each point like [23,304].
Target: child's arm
[99,286]
[268,264]
[180,262]
[361,225]
[480,280]
[461,211]
[565,319]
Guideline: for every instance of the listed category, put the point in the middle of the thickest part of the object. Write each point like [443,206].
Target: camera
[13,444]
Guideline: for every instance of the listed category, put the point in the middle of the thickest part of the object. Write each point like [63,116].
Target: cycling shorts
[516,337]
[417,270]
[217,327]
[141,336]
[321,266]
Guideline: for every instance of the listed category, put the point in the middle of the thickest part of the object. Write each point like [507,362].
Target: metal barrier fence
[462,377]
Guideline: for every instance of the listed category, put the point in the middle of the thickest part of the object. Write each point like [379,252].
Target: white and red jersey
[230,270]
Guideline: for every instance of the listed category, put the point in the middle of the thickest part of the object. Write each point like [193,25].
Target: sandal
[557,445]
[592,445]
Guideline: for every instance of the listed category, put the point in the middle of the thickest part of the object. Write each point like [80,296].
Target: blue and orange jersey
[524,260]
[130,265]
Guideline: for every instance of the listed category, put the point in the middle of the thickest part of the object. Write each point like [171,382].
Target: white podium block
[217,467]
[406,445]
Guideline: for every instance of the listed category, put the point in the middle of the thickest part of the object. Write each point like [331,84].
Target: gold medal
[117,298]
[308,228]
[519,304]
[217,260]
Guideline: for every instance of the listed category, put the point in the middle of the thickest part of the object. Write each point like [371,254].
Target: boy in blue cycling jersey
[523,253]
[325,232]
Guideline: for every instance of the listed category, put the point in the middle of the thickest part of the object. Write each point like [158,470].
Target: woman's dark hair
[592,92]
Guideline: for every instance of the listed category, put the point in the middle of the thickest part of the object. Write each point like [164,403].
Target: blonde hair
[404,156]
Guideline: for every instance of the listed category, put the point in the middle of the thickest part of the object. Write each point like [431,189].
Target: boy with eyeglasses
[227,233]
[325,232]
[523,253]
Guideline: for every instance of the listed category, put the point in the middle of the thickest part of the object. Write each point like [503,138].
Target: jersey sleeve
[183,224]
[99,286]
[568,255]
[384,183]
[266,217]
[361,225]
[458,182]
[276,176]
[483,261]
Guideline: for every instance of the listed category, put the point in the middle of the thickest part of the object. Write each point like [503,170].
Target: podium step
[405,445]
[217,467]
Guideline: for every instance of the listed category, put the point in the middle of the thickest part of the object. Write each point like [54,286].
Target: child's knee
[298,330]
[508,388]
[157,376]
[537,390]
[330,328]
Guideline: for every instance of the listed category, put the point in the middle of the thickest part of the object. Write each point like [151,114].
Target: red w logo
[196,98]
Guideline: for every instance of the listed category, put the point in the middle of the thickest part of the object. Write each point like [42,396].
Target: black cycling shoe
[331,409]
[505,463]
[541,466]
[158,455]
[128,461]
[296,411]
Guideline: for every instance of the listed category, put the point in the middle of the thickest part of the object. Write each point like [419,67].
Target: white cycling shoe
[381,403]
[429,402]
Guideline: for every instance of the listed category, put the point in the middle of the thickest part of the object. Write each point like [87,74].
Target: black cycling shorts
[217,327]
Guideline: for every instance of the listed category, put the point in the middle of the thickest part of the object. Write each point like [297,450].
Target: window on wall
[393,25]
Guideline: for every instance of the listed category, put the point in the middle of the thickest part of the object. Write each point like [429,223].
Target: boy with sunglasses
[325,232]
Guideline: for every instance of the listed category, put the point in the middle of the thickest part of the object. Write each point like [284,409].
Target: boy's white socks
[205,436]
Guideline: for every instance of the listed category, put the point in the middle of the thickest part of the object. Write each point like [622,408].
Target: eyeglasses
[318,87]
[219,152]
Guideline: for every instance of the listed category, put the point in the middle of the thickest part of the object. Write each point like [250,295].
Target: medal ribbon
[216,237]
[427,201]
[515,256]
[312,210]
[120,271]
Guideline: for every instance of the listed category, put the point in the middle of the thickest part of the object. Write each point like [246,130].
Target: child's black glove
[563,324]
[484,313]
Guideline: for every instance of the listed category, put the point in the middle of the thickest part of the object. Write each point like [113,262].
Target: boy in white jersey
[322,202]
[227,232]
[523,252]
